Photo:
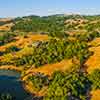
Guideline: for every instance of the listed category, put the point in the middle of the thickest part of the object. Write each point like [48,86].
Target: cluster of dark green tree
[6,37]
[72,85]
[88,36]
[68,85]
[10,49]
[93,26]
[53,50]
[94,77]
[39,81]
[51,25]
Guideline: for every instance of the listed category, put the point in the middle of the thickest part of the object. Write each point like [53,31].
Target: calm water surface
[10,83]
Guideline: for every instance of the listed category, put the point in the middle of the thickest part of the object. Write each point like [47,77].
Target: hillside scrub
[6,37]
[94,77]
[53,54]
[67,86]
[51,51]
[51,25]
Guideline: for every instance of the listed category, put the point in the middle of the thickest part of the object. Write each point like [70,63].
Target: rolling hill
[58,56]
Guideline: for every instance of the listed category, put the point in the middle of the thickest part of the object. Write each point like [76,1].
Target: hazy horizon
[18,8]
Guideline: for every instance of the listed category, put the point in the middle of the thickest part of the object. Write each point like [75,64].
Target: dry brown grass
[49,68]
[94,61]
[31,89]
[5,19]
[95,42]
[25,41]
[46,70]
[3,48]
[95,95]
[21,42]
[10,67]
[6,27]
[77,31]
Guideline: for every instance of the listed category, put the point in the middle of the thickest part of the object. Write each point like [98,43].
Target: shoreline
[10,67]
[23,82]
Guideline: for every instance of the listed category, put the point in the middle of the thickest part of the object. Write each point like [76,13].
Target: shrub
[39,81]
[94,77]
[12,49]
[54,50]
[6,38]
[68,86]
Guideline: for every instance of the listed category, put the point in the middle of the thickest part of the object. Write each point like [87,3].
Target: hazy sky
[12,8]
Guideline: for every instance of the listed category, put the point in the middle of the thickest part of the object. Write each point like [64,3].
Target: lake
[10,83]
